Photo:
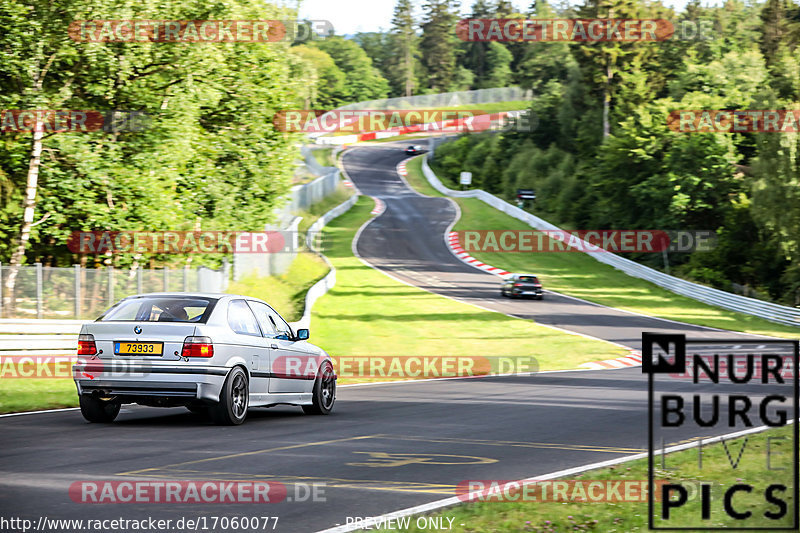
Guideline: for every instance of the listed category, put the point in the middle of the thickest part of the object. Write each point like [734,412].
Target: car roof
[216,295]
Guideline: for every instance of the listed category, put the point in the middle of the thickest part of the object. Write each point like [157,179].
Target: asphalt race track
[386,447]
[407,241]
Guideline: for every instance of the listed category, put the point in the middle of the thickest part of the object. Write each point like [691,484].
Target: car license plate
[138,348]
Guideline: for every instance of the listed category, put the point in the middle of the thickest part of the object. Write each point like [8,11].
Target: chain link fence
[84,293]
[446,100]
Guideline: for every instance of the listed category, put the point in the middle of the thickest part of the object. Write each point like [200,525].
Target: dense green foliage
[600,154]
[641,174]
[209,158]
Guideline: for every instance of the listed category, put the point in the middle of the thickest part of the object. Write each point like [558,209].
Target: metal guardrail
[326,283]
[35,337]
[733,302]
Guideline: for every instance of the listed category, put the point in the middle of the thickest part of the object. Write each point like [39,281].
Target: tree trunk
[18,257]
[409,70]
[607,101]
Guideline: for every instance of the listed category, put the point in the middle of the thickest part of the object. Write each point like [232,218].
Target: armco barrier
[770,311]
[325,284]
[38,337]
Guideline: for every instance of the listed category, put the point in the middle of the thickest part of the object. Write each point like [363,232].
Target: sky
[352,16]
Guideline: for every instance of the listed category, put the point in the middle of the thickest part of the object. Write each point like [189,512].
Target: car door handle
[273,346]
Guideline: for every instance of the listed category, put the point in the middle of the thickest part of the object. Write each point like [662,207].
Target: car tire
[231,410]
[540,297]
[503,293]
[98,411]
[324,393]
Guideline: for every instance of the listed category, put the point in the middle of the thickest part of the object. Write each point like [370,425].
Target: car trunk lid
[113,337]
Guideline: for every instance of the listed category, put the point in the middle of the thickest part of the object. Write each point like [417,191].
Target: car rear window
[529,279]
[161,309]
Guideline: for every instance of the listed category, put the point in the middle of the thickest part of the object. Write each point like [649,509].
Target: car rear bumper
[531,292]
[166,381]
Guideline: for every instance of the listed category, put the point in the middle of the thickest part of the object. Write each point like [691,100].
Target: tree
[499,74]
[362,80]
[774,28]
[378,46]
[38,75]
[474,54]
[403,61]
[776,199]
[438,43]
[504,9]
[602,62]
[208,158]
[329,87]
[780,35]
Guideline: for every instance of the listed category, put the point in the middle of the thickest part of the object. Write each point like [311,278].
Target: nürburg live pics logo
[728,408]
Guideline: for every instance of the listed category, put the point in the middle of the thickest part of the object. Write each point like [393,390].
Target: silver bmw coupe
[212,353]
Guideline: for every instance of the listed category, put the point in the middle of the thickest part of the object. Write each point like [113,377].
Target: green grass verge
[537,516]
[287,292]
[25,394]
[318,209]
[367,313]
[323,156]
[579,275]
[370,314]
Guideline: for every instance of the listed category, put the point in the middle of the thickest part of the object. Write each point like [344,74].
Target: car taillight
[86,345]
[518,284]
[197,347]
[538,285]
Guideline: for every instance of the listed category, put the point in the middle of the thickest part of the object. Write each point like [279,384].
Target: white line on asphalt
[354,248]
[455,500]
[40,412]
[447,243]
[377,383]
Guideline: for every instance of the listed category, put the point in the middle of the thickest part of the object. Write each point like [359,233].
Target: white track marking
[456,500]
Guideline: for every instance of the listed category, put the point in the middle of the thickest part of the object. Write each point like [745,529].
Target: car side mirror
[302,334]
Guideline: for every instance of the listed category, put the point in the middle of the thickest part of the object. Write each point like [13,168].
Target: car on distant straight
[216,354]
[414,150]
[522,285]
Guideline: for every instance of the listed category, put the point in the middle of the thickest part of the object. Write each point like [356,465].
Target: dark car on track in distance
[521,285]
[414,150]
